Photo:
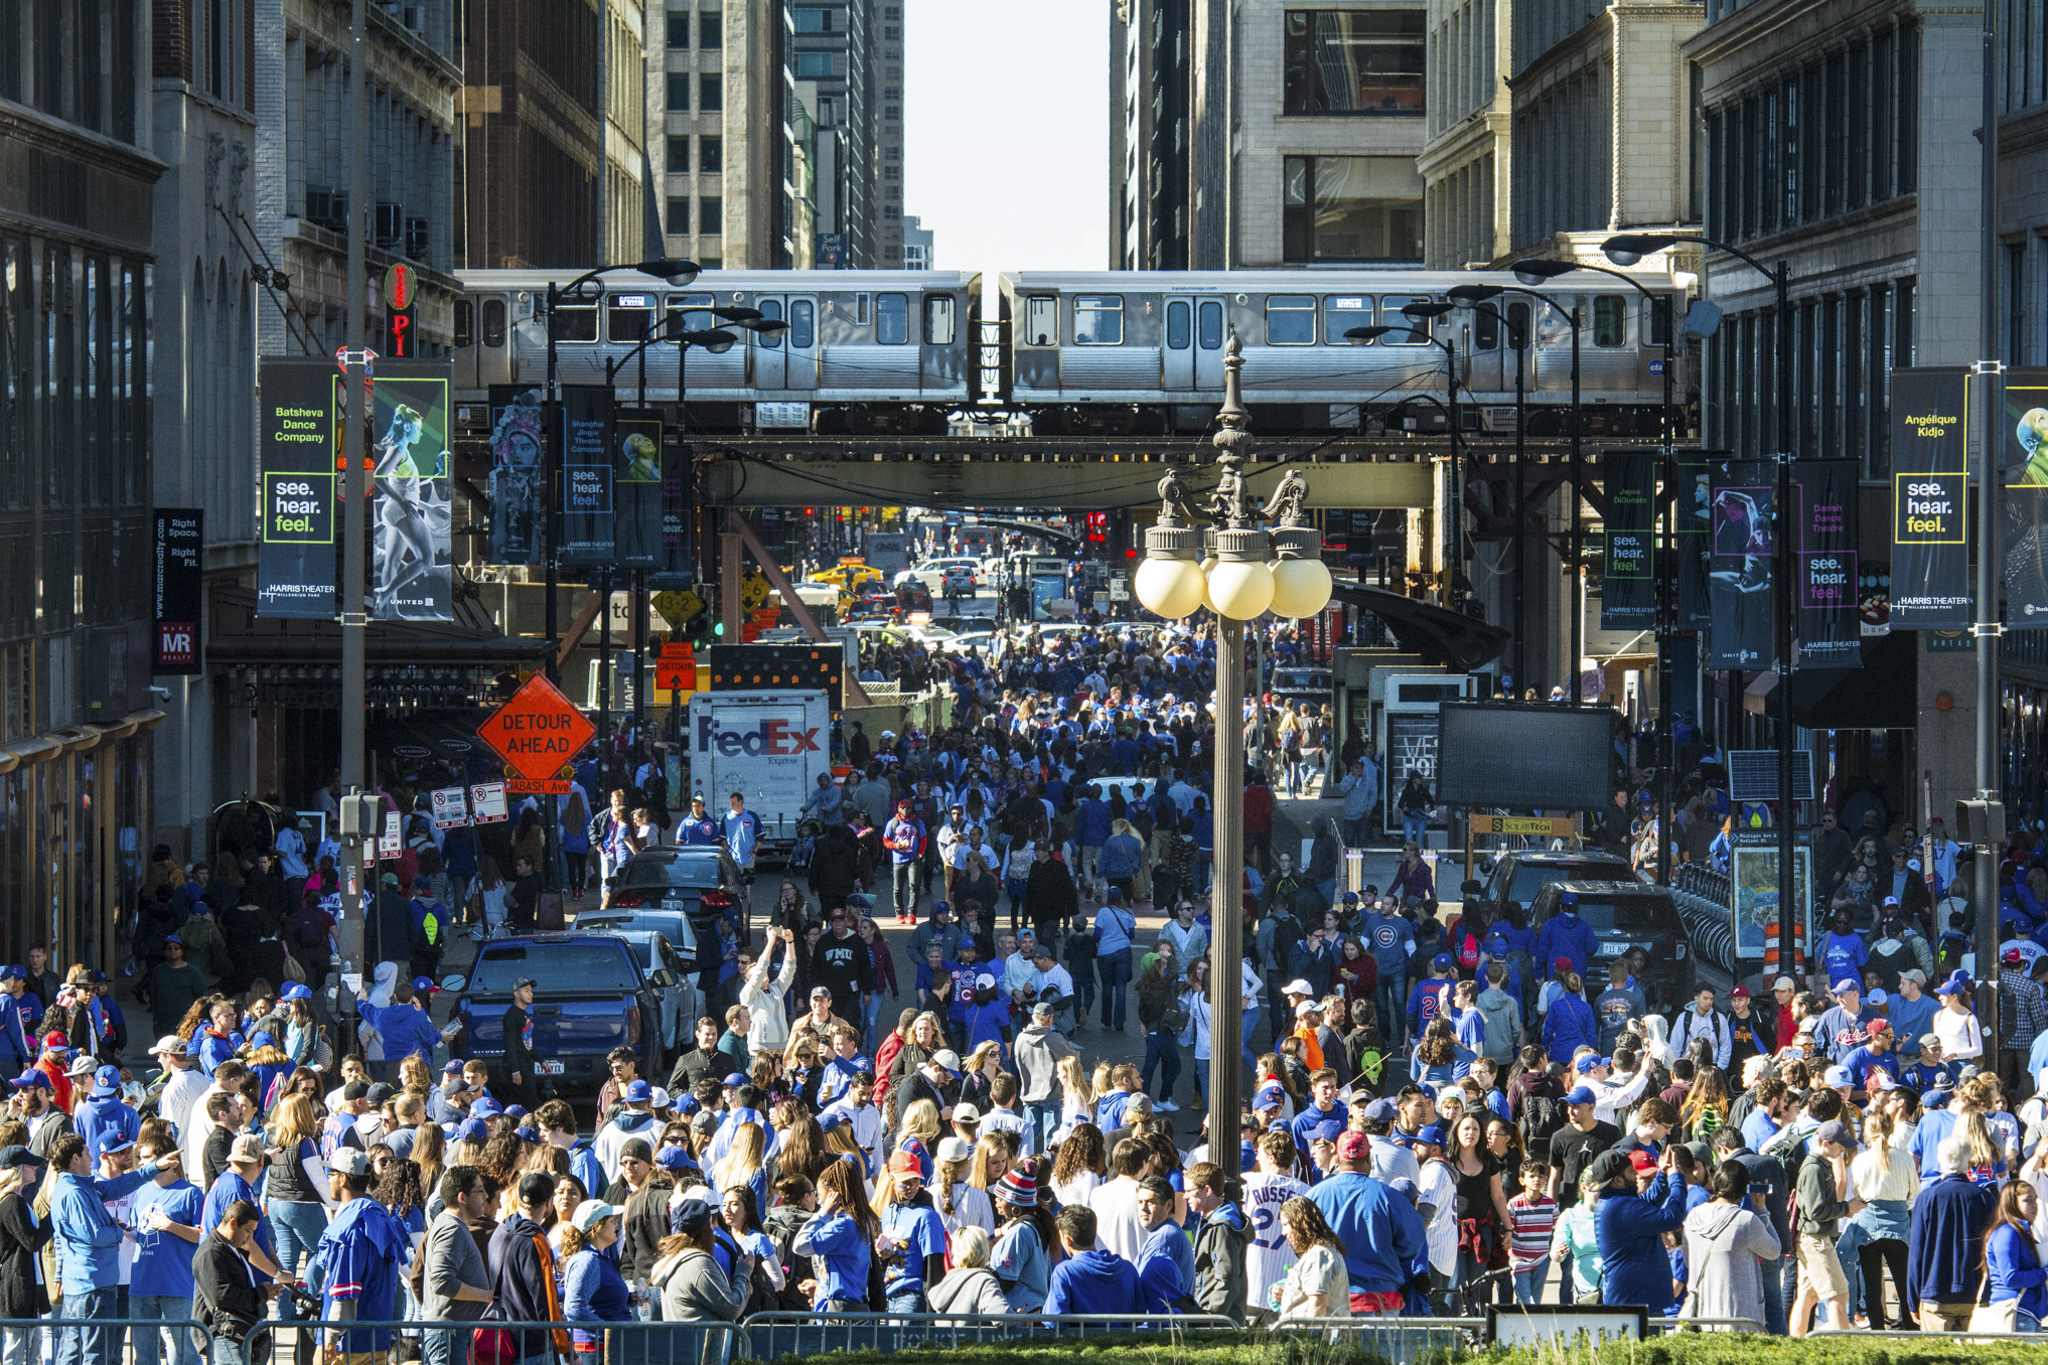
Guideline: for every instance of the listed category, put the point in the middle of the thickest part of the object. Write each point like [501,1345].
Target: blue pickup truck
[590,996]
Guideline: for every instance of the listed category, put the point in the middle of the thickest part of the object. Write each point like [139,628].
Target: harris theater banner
[2023,467]
[1930,587]
[296,485]
[1628,596]
[587,477]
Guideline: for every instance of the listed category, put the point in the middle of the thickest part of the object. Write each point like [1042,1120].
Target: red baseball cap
[1563,964]
[1878,1026]
[1642,1160]
[2013,955]
[1352,1147]
[1739,993]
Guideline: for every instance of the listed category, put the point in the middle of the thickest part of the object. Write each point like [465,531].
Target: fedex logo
[773,736]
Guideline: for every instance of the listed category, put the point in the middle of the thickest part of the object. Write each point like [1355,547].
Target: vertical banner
[1693,511]
[412,562]
[1740,544]
[176,544]
[586,475]
[638,487]
[517,509]
[295,567]
[2023,465]
[678,567]
[1628,597]
[1826,621]
[1930,500]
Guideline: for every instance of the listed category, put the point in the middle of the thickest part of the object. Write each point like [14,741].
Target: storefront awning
[238,638]
[1443,637]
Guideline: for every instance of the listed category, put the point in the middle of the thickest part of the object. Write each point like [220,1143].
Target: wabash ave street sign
[537,732]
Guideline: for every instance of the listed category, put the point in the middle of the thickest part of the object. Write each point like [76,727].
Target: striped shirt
[1534,1220]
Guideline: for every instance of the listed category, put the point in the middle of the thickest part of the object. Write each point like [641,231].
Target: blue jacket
[1944,1263]
[1381,1232]
[1166,1268]
[841,1256]
[2016,1271]
[1566,936]
[1629,1229]
[593,1291]
[1091,822]
[88,1239]
[1094,1282]
[94,1117]
[359,1259]
[1426,1000]
[1568,1026]
[405,1029]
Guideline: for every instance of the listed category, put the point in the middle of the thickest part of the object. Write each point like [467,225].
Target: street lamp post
[1239,586]
[1626,249]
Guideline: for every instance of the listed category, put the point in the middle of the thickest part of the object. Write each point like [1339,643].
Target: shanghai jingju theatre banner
[1825,614]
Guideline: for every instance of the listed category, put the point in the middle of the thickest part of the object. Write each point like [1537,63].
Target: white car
[932,572]
[973,642]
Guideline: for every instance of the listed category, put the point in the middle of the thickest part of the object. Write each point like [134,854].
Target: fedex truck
[767,746]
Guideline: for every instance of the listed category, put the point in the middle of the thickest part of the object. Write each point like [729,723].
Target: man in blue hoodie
[635,1118]
[1383,1235]
[1630,1227]
[1089,1280]
[88,1241]
[1566,935]
[404,1025]
[360,1258]
[1166,1262]
[103,1112]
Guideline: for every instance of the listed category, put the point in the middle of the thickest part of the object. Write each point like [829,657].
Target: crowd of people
[1449,1105]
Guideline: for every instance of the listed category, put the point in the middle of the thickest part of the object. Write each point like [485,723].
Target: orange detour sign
[537,731]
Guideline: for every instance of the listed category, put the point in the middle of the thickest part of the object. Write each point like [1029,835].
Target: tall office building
[1264,134]
[718,100]
[917,244]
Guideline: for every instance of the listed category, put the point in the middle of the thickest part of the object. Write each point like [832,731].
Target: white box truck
[767,746]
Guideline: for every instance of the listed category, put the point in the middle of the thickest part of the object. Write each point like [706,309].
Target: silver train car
[866,351]
[1090,350]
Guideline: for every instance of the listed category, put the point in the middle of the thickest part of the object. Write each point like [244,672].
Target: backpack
[1542,1117]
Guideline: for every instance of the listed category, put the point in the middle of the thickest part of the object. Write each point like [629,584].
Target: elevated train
[1129,352]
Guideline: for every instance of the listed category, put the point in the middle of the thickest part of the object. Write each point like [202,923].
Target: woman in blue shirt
[1439,1059]
[593,1291]
[1569,1024]
[837,1238]
[2011,1263]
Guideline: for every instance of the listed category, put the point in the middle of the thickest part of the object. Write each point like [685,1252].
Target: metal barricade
[1662,1326]
[769,1335]
[1400,1340]
[616,1343]
[120,1335]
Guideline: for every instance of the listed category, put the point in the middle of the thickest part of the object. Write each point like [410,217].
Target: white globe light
[1240,591]
[1301,587]
[1208,566]
[1171,588]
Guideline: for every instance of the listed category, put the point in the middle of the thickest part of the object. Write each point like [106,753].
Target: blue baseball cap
[485,1107]
[106,1144]
[454,1067]
[1581,1094]
[637,1091]
[1351,898]
[686,1105]
[734,1078]
[1847,983]
[295,990]
[1327,1131]
[1568,900]
[262,1038]
[12,973]
[1433,1135]
[473,1130]
[515,1111]
[1592,1061]
[829,1120]
[424,983]
[168,938]
[1496,946]
[31,1077]
[527,1134]
[1934,1099]
[106,1082]
[674,1158]
[1442,961]
[1386,1109]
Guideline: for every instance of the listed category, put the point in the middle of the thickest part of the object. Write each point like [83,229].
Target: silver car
[676,1005]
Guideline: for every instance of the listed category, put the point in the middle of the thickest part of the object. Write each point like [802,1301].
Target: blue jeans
[1044,1117]
[871,1020]
[1390,999]
[94,1344]
[1780,1288]
[1115,971]
[1162,1049]
[1202,1082]
[168,1308]
[221,1351]
[449,1347]
[1083,1001]
[1251,1021]
[295,1230]
[906,1301]
[1415,825]
[1529,1283]
[18,1345]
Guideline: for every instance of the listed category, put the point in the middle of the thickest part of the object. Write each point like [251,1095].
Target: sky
[1006,154]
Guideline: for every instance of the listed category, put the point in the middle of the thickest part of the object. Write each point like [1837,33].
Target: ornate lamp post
[1255,570]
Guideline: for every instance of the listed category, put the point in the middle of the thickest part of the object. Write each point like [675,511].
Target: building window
[1099,320]
[1355,61]
[711,30]
[679,28]
[710,93]
[711,153]
[1290,320]
[678,215]
[813,20]
[1351,208]
[679,94]
[814,66]
[892,172]
[710,216]
[891,111]
[678,160]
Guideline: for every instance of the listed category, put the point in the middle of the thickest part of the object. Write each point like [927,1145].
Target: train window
[802,320]
[771,311]
[1518,325]
[688,311]
[1341,313]
[1290,319]
[892,319]
[575,322]
[938,320]
[494,322]
[1485,329]
[1209,325]
[465,322]
[1660,319]
[1415,331]
[1610,320]
[629,317]
[1099,320]
[860,310]
[1041,323]
[1179,330]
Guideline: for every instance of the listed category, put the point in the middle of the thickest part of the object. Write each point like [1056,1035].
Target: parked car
[590,995]
[676,1005]
[1633,920]
[958,581]
[1519,875]
[912,595]
[686,890]
[1300,684]
[932,572]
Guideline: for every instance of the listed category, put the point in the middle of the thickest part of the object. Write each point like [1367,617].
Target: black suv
[699,883]
[1519,876]
[1637,921]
